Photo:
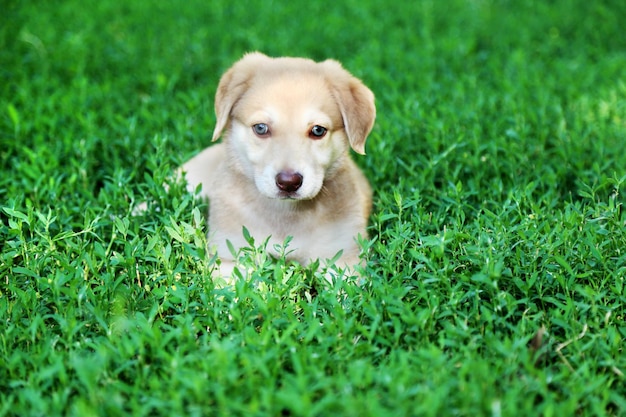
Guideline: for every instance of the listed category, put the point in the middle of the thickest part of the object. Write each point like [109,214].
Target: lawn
[496,264]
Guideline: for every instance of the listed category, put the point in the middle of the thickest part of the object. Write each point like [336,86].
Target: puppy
[283,167]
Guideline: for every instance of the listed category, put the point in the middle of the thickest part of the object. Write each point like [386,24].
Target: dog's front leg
[228,272]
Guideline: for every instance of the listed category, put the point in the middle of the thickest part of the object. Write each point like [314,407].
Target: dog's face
[288,136]
[290,122]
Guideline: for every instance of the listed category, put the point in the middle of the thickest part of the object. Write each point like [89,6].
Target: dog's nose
[288,181]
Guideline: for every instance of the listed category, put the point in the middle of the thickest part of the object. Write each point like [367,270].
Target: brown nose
[288,181]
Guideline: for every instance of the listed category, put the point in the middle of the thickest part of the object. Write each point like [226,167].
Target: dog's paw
[140,209]
[228,272]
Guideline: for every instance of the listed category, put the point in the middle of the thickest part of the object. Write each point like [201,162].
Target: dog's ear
[356,103]
[232,86]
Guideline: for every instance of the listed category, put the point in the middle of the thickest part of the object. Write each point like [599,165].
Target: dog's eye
[261,129]
[317,132]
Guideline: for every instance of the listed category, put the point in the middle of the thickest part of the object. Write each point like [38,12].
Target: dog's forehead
[290,65]
[297,96]
[288,70]
[294,77]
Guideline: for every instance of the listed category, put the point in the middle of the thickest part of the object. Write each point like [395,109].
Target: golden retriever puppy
[283,167]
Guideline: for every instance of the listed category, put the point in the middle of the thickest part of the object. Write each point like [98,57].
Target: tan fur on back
[239,176]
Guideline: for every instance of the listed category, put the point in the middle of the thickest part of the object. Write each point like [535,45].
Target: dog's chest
[313,232]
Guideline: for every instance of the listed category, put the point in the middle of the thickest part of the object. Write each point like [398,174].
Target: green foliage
[494,280]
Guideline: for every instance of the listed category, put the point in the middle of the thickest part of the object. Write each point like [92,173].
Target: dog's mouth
[287,195]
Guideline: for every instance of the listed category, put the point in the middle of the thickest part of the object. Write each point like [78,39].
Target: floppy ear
[232,86]
[356,103]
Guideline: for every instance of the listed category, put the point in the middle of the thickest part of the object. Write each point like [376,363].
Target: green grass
[498,162]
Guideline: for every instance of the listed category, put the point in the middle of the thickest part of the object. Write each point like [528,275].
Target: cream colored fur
[289,96]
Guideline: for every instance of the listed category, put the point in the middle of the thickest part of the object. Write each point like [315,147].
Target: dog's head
[289,122]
